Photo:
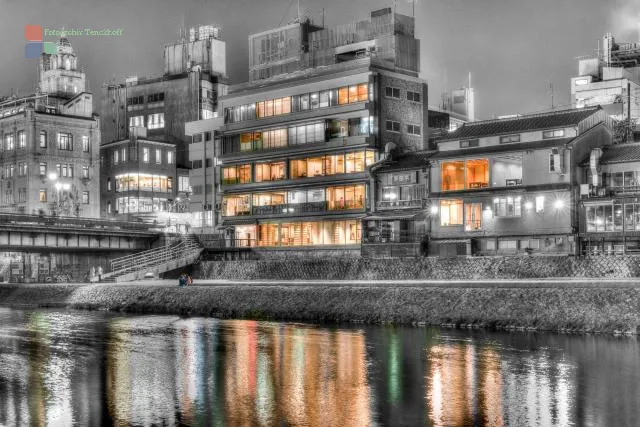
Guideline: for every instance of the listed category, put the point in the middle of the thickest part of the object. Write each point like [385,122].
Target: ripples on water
[91,368]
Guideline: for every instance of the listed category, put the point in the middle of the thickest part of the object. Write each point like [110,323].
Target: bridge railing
[69,222]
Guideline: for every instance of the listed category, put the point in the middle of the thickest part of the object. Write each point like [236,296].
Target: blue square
[33,50]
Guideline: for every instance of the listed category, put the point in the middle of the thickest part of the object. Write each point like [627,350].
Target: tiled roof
[621,153]
[529,122]
[406,161]
[502,148]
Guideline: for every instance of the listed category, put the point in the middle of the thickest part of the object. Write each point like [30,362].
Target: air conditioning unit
[218,207]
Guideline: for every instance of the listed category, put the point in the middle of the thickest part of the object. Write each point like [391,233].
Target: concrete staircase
[159,260]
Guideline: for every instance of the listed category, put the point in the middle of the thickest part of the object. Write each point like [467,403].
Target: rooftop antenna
[469,79]
[298,11]
[552,100]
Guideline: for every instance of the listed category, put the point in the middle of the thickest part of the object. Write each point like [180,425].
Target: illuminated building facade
[49,143]
[292,150]
[194,75]
[510,186]
[609,208]
[142,179]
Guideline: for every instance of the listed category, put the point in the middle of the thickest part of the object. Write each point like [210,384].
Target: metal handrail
[155,256]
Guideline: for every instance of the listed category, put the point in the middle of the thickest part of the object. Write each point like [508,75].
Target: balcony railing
[298,208]
[472,225]
[393,237]
[390,204]
[625,190]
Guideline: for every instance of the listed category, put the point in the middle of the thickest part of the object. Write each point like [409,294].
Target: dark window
[393,126]
[413,96]
[392,92]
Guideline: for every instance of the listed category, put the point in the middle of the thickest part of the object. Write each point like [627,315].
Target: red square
[33,32]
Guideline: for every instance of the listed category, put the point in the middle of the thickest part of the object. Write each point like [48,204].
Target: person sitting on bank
[182,280]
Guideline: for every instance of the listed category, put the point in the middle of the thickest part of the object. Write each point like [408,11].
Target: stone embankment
[471,268]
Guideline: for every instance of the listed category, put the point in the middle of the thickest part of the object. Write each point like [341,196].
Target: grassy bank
[605,310]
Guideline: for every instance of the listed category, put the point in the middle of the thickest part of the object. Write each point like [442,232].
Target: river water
[97,368]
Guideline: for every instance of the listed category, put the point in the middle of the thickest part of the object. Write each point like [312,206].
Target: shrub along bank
[611,309]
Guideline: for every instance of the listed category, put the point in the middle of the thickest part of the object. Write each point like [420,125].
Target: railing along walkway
[131,263]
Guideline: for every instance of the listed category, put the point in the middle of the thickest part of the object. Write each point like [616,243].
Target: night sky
[513,48]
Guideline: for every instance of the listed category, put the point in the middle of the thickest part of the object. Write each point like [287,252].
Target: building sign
[404,178]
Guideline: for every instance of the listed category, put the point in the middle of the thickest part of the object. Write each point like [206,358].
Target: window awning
[238,221]
[382,216]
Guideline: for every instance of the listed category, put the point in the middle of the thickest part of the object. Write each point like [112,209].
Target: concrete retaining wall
[422,268]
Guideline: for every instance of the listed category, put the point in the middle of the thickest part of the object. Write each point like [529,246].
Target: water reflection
[79,368]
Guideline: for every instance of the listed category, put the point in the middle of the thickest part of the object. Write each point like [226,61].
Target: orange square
[33,32]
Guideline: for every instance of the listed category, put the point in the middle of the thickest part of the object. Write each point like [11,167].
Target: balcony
[293,209]
[625,190]
[399,204]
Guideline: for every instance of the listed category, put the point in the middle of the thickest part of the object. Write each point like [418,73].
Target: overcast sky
[514,49]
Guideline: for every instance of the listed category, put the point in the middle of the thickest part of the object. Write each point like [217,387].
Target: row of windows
[65,170]
[507,139]
[616,217]
[314,233]
[279,202]
[154,121]
[474,174]
[330,164]
[43,196]
[308,133]
[123,155]
[291,104]
[64,141]
[143,182]
[470,214]
[394,92]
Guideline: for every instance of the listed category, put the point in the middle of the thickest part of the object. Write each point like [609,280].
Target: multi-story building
[609,208]
[193,78]
[293,148]
[49,143]
[611,79]
[512,185]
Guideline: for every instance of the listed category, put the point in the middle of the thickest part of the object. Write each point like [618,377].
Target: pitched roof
[502,148]
[529,122]
[621,153]
[415,160]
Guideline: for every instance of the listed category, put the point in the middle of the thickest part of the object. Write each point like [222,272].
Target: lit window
[158,156]
[145,155]
[507,206]
[22,139]
[42,197]
[85,171]
[85,144]
[581,82]
[65,141]
[169,157]
[452,176]
[116,157]
[477,173]
[451,212]
[539,204]
[43,169]
[136,121]
[108,184]
[124,155]
[109,207]
[43,139]
[155,121]
[10,142]
[85,197]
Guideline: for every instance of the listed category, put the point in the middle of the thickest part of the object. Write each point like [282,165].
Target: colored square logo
[50,48]
[33,33]
[33,50]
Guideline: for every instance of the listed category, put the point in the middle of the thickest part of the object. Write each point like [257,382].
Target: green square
[50,48]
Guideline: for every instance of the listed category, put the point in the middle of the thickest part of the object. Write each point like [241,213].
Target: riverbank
[565,306]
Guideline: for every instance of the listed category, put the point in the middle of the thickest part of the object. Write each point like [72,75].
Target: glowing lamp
[558,204]
[434,210]
[53,176]
[528,206]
